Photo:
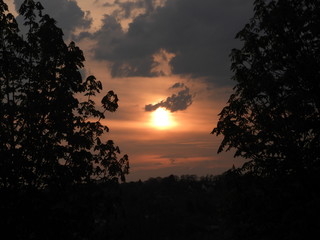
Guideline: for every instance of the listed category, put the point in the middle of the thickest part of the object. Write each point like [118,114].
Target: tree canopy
[272,118]
[50,128]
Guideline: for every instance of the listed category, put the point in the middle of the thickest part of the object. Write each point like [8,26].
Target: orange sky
[185,148]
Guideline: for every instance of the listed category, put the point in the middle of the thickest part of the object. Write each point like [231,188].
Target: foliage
[228,206]
[50,128]
[273,117]
[84,211]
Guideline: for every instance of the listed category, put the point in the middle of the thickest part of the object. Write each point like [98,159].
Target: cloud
[126,58]
[177,85]
[68,14]
[127,9]
[200,34]
[177,102]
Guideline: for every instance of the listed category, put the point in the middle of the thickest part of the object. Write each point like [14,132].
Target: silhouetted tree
[50,129]
[272,118]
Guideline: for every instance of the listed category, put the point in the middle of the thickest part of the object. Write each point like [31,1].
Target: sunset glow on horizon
[171,80]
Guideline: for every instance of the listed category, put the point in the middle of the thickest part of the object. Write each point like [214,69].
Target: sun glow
[161,118]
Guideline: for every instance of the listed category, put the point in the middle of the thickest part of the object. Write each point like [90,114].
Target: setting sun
[161,118]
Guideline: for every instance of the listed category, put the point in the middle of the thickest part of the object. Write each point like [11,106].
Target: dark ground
[230,206]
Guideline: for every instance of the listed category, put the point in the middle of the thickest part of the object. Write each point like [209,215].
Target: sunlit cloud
[161,61]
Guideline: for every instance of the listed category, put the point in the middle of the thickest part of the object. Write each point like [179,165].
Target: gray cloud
[126,9]
[199,32]
[180,101]
[68,14]
[177,85]
[114,46]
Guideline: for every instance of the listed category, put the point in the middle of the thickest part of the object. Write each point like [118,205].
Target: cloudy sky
[171,55]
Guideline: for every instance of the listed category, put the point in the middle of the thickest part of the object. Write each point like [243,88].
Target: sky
[168,62]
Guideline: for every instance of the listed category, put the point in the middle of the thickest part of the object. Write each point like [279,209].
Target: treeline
[228,206]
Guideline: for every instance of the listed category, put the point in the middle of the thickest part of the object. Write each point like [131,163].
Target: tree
[272,118]
[50,128]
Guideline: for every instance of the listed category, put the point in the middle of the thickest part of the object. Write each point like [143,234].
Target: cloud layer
[177,102]
[200,34]
[68,14]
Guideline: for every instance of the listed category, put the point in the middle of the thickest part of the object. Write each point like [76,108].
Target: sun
[161,118]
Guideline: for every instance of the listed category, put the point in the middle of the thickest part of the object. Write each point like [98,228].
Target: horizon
[182,66]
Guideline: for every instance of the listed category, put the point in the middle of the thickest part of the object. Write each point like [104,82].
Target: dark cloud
[180,101]
[177,85]
[68,14]
[125,9]
[126,60]
[199,32]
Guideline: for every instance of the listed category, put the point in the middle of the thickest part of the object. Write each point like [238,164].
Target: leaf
[110,101]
